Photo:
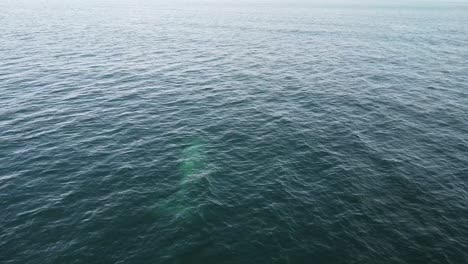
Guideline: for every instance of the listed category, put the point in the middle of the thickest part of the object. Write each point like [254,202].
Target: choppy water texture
[135,132]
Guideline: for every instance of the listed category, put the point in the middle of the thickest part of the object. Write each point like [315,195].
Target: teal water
[144,132]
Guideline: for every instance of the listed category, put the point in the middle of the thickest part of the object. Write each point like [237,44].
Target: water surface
[142,132]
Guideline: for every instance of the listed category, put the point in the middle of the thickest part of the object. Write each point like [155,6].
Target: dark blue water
[143,132]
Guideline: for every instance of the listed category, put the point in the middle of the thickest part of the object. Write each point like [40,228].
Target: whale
[192,168]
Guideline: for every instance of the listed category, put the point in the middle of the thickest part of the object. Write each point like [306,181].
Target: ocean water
[216,132]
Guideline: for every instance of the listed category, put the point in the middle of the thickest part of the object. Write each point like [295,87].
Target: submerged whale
[182,203]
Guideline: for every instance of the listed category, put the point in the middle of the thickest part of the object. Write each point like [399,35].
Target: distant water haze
[270,3]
